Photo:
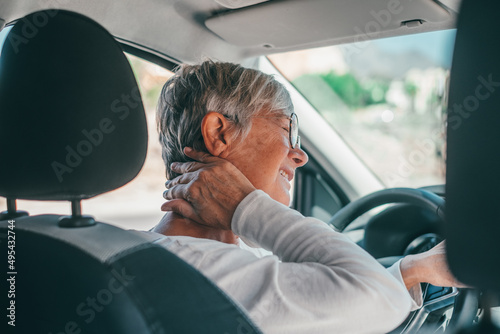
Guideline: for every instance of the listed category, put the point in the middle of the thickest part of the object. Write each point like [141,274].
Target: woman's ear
[215,129]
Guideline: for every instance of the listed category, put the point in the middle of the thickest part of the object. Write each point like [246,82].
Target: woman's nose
[298,155]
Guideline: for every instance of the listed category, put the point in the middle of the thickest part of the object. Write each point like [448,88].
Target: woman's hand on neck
[174,224]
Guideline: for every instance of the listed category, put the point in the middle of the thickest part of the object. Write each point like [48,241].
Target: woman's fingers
[201,160]
[179,191]
[186,167]
[182,208]
[181,179]
[199,155]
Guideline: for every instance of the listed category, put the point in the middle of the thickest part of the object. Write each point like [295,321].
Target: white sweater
[317,281]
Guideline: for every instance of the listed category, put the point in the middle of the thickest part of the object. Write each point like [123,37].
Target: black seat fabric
[102,279]
[473,148]
[68,95]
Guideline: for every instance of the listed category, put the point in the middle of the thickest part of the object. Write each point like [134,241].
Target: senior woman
[231,147]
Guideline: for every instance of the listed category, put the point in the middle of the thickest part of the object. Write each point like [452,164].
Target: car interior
[73,127]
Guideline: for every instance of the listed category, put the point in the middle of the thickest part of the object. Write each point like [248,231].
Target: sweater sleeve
[324,281]
[317,281]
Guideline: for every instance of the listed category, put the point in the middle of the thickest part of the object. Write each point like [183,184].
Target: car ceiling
[232,30]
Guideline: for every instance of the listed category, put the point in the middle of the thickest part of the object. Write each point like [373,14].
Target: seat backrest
[72,126]
[473,148]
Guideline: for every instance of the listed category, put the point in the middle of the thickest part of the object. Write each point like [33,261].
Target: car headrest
[473,148]
[72,122]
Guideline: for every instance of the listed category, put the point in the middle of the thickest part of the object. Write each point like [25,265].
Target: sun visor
[283,24]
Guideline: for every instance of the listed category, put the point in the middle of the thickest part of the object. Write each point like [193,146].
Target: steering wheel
[419,197]
[465,300]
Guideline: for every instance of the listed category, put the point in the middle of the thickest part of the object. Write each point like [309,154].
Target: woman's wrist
[428,267]
[411,271]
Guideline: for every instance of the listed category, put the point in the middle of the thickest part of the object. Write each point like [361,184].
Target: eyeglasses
[293,129]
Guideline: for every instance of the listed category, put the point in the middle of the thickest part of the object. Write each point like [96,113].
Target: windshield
[386,98]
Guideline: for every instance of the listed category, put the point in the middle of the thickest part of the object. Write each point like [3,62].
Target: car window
[137,204]
[3,35]
[386,98]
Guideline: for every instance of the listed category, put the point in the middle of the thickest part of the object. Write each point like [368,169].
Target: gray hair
[236,92]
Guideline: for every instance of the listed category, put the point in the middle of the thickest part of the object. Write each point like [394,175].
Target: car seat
[473,155]
[72,126]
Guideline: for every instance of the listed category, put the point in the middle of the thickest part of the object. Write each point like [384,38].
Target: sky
[438,45]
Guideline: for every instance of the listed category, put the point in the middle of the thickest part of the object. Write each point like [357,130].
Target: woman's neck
[174,224]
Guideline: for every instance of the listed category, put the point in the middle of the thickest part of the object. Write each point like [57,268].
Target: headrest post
[76,219]
[76,208]
[11,205]
[12,212]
